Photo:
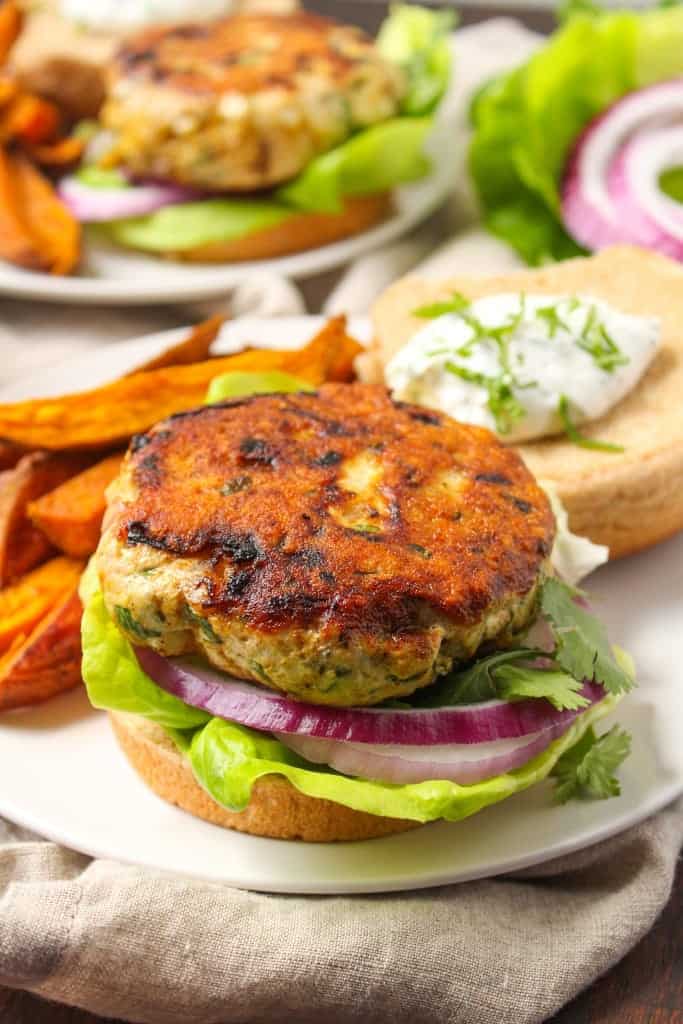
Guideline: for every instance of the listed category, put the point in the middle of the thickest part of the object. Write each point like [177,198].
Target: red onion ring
[260,708]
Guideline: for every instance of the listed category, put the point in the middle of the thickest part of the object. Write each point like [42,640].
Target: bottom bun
[300,232]
[276,808]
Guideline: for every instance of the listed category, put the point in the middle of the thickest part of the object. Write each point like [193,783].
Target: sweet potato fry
[10,454]
[25,603]
[71,515]
[192,349]
[48,662]
[60,154]
[17,243]
[22,545]
[30,120]
[57,232]
[11,20]
[36,229]
[111,414]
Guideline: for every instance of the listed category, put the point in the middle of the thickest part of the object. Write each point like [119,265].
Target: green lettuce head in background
[376,159]
[527,121]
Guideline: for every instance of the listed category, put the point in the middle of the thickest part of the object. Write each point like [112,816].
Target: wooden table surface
[647,986]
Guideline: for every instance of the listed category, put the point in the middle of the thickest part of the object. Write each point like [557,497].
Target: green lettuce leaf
[417,40]
[526,122]
[114,679]
[227,758]
[239,385]
[188,225]
[377,159]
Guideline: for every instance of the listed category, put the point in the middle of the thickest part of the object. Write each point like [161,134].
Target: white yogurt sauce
[126,14]
[537,360]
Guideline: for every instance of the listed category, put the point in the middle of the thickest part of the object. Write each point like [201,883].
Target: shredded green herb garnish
[456,304]
[597,342]
[575,435]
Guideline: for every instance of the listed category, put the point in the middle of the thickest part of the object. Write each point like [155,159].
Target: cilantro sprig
[588,768]
[582,648]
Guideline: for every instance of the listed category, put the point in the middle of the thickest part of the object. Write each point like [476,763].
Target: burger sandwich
[328,615]
[259,134]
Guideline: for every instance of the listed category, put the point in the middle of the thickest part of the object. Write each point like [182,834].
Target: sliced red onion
[403,764]
[611,192]
[269,711]
[90,205]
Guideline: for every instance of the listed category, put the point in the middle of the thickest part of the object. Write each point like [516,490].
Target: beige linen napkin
[146,947]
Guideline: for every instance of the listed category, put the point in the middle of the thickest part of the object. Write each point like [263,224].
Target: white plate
[63,776]
[113,275]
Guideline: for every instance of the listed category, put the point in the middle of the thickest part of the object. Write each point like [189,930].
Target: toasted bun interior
[301,232]
[276,809]
[627,501]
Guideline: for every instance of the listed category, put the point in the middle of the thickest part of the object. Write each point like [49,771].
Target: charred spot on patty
[395,516]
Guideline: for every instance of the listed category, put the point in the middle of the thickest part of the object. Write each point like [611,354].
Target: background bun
[627,501]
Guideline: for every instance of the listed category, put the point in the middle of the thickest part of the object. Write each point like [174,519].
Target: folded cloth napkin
[142,946]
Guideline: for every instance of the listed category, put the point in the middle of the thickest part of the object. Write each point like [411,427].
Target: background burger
[327,615]
[260,134]
[66,45]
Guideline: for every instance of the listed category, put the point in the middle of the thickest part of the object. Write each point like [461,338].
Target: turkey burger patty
[245,102]
[337,546]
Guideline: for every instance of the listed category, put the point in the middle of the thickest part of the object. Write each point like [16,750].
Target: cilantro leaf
[456,304]
[520,682]
[474,684]
[587,769]
[583,649]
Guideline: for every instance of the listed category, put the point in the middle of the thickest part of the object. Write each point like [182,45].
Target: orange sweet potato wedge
[22,545]
[27,601]
[11,20]
[71,515]
[17,243]
[57,232]
[48,661]
[111,414]
[10,454]
[192,349]
[30,120]
[61,154]
[36,229]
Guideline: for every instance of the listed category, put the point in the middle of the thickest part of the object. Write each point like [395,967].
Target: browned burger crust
[276,808]
[337,546]
[293,538]
[228,55]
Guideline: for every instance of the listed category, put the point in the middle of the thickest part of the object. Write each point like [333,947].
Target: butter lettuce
[239,385]
[115,681]
[375,159]
[526,122]
[227,758]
